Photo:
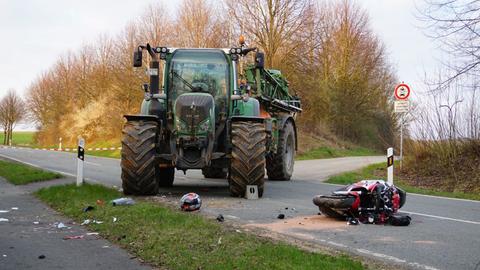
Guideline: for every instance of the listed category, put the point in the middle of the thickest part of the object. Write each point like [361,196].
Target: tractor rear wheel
[138,158]
[280,164]
[165,176]
[212,172]
[247,166]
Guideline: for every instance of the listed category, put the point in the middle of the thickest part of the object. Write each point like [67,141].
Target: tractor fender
[251,107]
[247,118]
[281,124]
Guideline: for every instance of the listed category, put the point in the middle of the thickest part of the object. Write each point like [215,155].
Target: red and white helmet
[190,202]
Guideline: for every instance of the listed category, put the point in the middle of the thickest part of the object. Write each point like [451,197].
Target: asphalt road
[444,234]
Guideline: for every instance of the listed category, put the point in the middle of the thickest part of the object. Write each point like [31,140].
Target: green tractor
[211,110]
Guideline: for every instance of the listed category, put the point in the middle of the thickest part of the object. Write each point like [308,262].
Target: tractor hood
[194,114]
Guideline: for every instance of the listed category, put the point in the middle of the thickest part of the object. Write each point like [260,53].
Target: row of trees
[12,110]
[326,50]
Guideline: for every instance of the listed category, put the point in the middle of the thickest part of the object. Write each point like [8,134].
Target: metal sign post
[401,106]
[80,161]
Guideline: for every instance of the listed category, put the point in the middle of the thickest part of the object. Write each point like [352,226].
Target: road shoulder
[23,242]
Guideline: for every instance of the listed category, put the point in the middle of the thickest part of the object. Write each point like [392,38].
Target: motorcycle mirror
[137,58]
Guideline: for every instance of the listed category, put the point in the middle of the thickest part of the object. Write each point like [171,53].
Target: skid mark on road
[444,218]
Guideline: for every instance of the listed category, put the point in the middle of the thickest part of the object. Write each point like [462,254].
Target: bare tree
[12,110]
[272,23]
[455,25]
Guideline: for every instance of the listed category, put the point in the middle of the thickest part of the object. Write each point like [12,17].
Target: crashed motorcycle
[367,201]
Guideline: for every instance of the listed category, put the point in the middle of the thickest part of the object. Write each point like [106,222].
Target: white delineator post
[390,165]
[80,161]
[60,144]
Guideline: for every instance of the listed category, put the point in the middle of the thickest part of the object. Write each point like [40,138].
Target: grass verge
[379,171]
[330,152]
[20,138]
[104,153]
[172,239]
[20,174]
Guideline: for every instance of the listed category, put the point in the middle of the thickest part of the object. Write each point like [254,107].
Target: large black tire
[335,206]
[212,172]
[247,166]
[138,158]
[280,165]
[165,176]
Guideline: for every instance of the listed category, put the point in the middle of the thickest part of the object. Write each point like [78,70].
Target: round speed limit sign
[402,92]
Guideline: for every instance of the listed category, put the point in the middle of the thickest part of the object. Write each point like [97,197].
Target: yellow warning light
[241,40]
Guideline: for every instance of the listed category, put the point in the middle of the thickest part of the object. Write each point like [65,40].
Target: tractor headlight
[181,125]
[204,126]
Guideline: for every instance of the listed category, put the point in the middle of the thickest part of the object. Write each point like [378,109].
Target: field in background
[20,138]
[379,171]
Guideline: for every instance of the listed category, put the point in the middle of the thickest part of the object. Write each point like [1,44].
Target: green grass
[329,152]
[171,239]
[20,138]
[378,171]
[19,174]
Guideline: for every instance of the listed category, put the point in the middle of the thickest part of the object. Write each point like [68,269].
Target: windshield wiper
[192,88]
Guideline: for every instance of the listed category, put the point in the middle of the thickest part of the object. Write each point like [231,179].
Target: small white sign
[153,71]
[401,106]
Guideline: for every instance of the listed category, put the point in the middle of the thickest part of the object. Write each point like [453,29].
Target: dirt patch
[311,223]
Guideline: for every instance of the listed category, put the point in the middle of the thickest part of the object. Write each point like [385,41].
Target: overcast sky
[34,33]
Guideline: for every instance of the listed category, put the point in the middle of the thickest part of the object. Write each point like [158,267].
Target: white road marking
[92,163]
[395,259]
[445,218]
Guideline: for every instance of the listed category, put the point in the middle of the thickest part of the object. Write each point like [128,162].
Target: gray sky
[34,33]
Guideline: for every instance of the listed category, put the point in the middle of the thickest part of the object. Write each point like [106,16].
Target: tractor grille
[193,108]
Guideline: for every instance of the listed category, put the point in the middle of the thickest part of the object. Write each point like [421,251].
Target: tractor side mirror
[137,58]
[259,60]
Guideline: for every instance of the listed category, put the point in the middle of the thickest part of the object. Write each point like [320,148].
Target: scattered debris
[88,208]
[61,225]
[73,237]
[92,233]
[286,208]
[400,220]
[123,201]
[41,257]
[36,222]
[100,202]
[114,219]
[219,242]
[3,219]
[4,255]
[352,221]
[105,247]
[190,202]
[86,222]
[220,218]
[281,216]
[238,231]
[14,208]
[4,211]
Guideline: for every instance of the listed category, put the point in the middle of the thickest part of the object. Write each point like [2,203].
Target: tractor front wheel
[247,166]
[280,164]
[138,158]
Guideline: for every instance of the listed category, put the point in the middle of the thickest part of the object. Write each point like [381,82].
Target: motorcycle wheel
[335,206]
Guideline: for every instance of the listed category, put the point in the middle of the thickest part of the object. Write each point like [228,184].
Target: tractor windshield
[204,71]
